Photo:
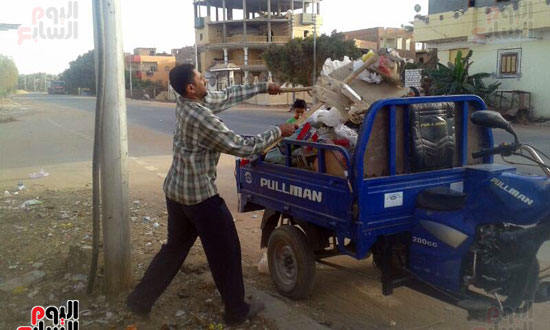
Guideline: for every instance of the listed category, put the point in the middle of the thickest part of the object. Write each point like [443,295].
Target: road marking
[89,138]
[148,167]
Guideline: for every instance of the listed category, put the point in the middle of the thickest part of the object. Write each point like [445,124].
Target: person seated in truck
[299,107]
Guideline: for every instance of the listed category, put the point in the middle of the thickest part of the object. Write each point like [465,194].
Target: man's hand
[274,89]
[287,129]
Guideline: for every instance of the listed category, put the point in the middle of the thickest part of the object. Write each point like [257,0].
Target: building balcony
[273,19]
[478,23]
[252,65]
[240,62]
[250,39]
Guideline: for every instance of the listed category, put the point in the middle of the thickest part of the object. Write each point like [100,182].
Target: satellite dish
[417,8]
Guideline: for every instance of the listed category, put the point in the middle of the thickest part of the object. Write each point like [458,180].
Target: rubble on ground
[45,253]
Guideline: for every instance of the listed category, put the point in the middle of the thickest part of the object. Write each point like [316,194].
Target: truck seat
[432,136]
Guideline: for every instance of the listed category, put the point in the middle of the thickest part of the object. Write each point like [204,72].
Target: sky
[161,24]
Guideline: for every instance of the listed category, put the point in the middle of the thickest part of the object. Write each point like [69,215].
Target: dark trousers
[213,223]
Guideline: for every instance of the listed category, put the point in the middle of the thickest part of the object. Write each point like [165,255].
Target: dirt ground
[52,236]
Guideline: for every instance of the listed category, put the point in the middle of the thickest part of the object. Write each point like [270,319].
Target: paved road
[56,129]
[160,116]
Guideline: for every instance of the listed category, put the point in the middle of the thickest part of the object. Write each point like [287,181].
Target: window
[306,32]
[471,3]
[200,37]
[150,66]
[399,43]
[509,63]
[408,44]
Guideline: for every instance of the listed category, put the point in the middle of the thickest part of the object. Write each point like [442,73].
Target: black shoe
[141,312]
[254,309]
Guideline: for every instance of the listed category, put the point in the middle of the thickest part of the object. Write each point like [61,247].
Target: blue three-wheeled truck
[421,194]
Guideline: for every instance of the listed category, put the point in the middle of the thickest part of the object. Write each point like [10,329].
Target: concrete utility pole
[114,147]
[196,57]
[314,49]
[130,66]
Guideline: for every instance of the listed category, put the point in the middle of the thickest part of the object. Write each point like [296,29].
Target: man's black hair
[181,76]
[299,103]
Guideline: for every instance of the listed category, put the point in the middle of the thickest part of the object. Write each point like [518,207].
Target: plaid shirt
[201,136]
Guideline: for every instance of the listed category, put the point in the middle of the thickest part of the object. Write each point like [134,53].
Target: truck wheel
[291,262]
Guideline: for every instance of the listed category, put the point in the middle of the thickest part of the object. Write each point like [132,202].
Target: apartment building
[147,64]
[231,35]
[510,39]
[379,37]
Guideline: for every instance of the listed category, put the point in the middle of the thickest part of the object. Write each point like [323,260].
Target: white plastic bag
[344,132]
[314,118]
[330,66]
[331,118]
[367,76]
[40,174]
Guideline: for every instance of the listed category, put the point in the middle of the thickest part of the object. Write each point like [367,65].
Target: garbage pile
[342,106]
[326,126]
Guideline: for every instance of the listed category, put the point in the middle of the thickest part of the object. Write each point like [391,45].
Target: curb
[276,310]
[284,316]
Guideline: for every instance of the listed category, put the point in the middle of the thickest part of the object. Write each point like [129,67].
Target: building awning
[224,67]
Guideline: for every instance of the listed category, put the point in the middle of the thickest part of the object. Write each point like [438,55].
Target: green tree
[293,62]
[135,80]
[81,73]
[8,76]
[456,79]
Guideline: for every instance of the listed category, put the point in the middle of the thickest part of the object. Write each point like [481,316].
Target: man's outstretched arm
[220,101]
[215,135]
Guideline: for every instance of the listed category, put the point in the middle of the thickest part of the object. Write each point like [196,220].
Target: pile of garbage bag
[338,118]
[326,126]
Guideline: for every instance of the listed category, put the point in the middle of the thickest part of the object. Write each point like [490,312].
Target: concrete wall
[236,56]
[526,15]
[298,29]
[439,6]
[211,56]
[282,99]
[535,66]
[255,54]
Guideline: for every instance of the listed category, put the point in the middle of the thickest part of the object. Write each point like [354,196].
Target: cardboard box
[334,165]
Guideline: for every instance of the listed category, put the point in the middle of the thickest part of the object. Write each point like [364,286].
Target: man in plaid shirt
[194,207]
